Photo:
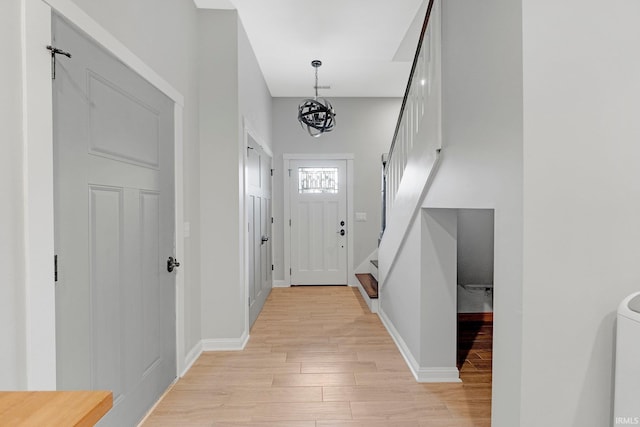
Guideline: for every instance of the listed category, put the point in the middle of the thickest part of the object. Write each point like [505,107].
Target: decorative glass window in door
[318,180]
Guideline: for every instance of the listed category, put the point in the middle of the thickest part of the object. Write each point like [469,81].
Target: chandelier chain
[316,83]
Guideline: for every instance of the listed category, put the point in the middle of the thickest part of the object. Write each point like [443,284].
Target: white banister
[409,136]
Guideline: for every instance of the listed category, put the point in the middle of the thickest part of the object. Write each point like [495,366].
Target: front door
[318,202]
[114,229]
[258,176]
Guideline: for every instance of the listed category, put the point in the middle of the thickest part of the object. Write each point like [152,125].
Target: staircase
[417,251]
[369,286]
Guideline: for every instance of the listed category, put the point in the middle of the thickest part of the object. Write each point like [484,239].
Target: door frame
[249,130]
[37,90]
[287,158]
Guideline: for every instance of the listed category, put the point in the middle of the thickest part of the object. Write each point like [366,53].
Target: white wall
[581,203]
[231,88]
[364,127]
[12,306]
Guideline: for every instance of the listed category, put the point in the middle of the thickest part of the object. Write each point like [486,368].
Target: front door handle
[264,239]
[172,264]
[342,232]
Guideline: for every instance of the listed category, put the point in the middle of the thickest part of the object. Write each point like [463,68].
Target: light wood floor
[318,357]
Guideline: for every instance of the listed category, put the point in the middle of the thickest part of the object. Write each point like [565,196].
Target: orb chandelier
[316,115]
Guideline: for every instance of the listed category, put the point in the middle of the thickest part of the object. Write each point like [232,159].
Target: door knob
[172,264]
[264,239]
[342,232]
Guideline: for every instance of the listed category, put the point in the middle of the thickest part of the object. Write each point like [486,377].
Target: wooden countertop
[53,408]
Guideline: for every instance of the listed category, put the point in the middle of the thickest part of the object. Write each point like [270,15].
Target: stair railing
[409,121]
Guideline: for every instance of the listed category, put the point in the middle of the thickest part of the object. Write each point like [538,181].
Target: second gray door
[258,177]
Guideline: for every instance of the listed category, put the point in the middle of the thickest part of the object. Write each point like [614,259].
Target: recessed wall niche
[475,248]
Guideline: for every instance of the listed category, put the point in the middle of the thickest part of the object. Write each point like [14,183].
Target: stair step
[373,268]
[369,284]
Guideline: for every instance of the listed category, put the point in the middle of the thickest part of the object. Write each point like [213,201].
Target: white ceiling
[366,46]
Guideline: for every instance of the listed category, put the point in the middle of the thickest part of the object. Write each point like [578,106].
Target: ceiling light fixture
[316,115]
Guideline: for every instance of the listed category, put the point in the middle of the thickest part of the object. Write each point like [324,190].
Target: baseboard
[280,284]
[422,375]
[438,375]
[225,344]
[191,357]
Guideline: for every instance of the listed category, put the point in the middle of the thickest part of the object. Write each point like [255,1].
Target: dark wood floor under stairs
[475,348]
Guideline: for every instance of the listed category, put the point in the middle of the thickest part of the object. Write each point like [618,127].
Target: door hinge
[271,220]
[271,172]
[289,172]
[290,271]
[289,223]
[55,268]
[271,267]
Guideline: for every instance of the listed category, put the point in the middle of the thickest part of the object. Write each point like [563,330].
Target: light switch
[187,229]
[361,216]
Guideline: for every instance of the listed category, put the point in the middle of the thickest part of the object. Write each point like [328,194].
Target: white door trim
[40,332]
[287,157]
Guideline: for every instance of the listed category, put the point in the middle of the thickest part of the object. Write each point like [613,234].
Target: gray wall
[255,100]
[231,88]
[222,295]
[475,246]
[12,313]
[581,203]
[365,128]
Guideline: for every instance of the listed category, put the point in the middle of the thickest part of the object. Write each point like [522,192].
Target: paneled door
[114,229]
[258,176]
[318,203]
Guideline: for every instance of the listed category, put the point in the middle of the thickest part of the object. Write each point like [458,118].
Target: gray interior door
[114,225]
[258,176]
